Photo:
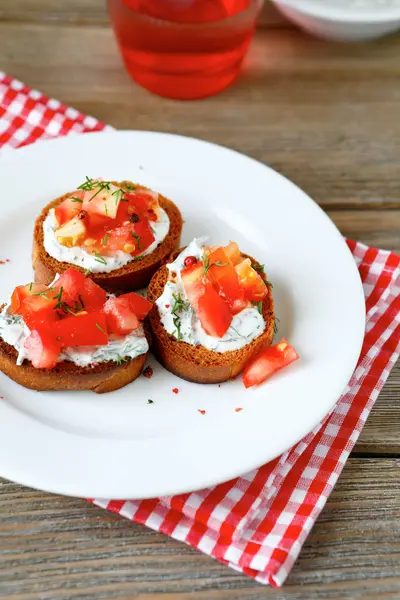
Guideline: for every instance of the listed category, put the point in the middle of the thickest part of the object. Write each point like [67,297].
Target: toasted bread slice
[197,363]
[135,275]
[99,378]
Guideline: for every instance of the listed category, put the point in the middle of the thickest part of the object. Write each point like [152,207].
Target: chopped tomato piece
[233,253]
[221,273]
[193,282]
[140,306]
[91,296]
[214,314]
[69,208]
[253,285]
[120,317]
[23,291]
[42,349]
[38,311]
[85,329]
[102,201]
[72,282]
[146,201]
[267,362]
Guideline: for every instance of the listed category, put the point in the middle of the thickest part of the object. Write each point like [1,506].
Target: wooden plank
[56,548]
[333,130]
[90,12]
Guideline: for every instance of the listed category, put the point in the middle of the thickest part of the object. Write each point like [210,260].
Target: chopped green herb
[118,195]
[105,238]
[100,327]
[276,325]
[66,309]
[178,305]
[120,360]
[150,401]
[206,263]
[207,266]
[259,268]
[106,209]
[138,257]
[87,272]
[30,286]
[259,306]
[81,301]
[137,237]
[129,186]
[75,199]
[58,298]
[100,258]
[42,294]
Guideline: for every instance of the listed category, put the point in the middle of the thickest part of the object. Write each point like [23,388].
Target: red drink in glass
[183,48]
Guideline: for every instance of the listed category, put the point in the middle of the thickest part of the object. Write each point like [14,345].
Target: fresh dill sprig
[179,304]
[120,360]
[276,325]
[75,199]
[100,327]
[99,258]
[137,237]
[105,238]
[118,195]
[58,297]
[207,265]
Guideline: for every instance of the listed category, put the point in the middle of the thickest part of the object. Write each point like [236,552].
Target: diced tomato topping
[267,362]
[102,202]
[23,291]
[69,208]
[214,314]
[221,273]
[253,285]
[85,329]
[233,253]
[146,201]
[38,311]
[140,306]
[71,282]
[91,296]
[193,282]
[42,349]
[120,317]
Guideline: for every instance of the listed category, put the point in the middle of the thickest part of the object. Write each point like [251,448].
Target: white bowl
[348,22]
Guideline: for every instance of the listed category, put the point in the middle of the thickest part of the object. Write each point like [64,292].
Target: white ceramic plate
[117,445]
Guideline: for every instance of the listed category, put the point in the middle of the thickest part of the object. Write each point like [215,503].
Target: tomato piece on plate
[221,273]
[69,208]
[120,317]
[193,282]
[24,291]
[145,201]
[72,282]
[42,349]
[85,329]
[91,296]
[233,253]
[140,306]
[253,285]
[267,362]
[214,314]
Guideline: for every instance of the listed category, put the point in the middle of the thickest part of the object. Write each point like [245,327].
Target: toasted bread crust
[133,276]
[196,363]
[99,378]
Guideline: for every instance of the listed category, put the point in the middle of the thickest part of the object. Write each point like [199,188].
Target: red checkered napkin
[257,523]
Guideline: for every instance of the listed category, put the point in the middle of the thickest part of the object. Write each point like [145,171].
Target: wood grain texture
[326,116]
[77,12]
[56,548]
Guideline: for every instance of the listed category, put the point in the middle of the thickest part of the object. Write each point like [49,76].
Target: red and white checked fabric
[256,523]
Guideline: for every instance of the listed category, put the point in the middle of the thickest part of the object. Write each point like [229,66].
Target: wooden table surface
[328,117]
